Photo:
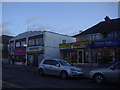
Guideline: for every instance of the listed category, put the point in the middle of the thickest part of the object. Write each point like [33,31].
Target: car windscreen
[64,63]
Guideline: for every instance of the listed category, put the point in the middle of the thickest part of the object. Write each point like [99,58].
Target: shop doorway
[35,63]
[40,58]
[30,59]
[80,56]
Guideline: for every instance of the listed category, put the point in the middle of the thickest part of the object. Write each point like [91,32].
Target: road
[21,78]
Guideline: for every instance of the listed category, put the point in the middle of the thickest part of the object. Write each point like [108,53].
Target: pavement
[33,69]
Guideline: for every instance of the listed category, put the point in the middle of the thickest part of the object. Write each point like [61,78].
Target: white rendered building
[36,45]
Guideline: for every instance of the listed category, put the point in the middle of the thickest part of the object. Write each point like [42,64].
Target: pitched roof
[103,27]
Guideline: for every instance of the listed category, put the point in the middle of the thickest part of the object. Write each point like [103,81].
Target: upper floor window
[39,40]
[63,41]
[94,36]
[31,42]
[113,34]
[98,36]
[17,44]
[23,43]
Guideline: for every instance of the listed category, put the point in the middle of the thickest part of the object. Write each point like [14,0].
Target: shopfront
[34,55]
[105,51]
[75,52]
[18,55]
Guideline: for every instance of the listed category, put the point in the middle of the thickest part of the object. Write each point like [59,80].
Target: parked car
[110,74]
[60,68]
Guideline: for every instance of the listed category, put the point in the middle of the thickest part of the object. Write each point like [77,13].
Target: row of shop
[88,52]
[92,52]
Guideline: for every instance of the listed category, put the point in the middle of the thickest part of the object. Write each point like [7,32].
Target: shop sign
[34,49]
[107,42]
[19,51]
[74,45]
[41,52]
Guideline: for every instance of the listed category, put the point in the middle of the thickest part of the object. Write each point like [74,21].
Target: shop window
[20,58]
[94,56]
[64,55]
[74,56]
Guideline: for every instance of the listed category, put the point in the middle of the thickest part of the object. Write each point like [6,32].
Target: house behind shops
[99,44]
[33,46]
[4,41]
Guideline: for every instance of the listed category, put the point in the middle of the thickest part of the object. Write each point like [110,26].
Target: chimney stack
[107,19]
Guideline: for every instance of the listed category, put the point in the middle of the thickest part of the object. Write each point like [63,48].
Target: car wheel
[98,79]
[64,75]
[41,72]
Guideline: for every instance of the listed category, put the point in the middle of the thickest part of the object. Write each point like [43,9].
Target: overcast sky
[62,17]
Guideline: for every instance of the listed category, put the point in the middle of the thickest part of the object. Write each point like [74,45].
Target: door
[30,59]
[80,56]
[35,60]
[40,58]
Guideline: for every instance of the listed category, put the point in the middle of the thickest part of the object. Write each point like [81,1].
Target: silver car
[60,68]
[110,74]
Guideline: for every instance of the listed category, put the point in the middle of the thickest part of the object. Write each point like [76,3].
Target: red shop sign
[20,51]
